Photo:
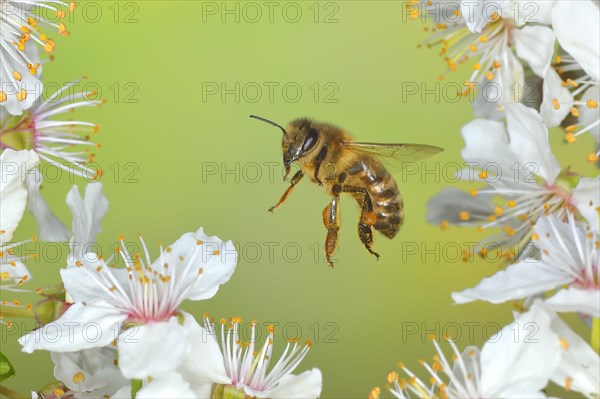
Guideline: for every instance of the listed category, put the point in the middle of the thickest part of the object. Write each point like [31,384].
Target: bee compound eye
[310,140]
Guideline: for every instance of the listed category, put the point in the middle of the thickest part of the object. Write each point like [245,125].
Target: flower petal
[486,142]
[83,286]
[519,360]
[579,362]
[216,258]
[305,385]
[16,271]
[585,198]
[448,204]
[576,300]
[87,215]
[204,364]
[49,226]
[14,167]
[526,278]
[554,90]
[169,386]
[96,365]
[477,13]
[591,115]
[80,327]
[577,29]
[152,350]
[29,82]
[535,44]
[529,140]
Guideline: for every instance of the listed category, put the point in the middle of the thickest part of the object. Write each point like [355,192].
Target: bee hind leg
[297,177]
[331,220]
[367,218]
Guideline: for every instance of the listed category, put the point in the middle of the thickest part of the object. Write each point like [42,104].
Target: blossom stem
[596,334]
[136,385]
[9,393]
[12,311]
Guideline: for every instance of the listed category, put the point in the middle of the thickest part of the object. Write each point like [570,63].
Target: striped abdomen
[384,193]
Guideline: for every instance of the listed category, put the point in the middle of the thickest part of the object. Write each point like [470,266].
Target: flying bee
[330,158]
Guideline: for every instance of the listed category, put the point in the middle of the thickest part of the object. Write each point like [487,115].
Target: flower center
[18,132]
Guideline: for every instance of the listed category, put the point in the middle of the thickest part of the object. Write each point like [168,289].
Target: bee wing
[394,154]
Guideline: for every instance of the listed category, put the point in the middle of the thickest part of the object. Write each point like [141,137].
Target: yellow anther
[498,211]
[575,112]
[3,97]
[477,66]
[483,38]
[444,225]
[591,103]
[17,76]
[483,175]
[555,103]
[496,64]
[22,95]
[511,203]
[464,216]
[78,377]
[592,157]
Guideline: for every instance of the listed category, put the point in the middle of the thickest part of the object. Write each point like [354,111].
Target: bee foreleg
[331,220]
[293,182]
[318,160]
[367,218]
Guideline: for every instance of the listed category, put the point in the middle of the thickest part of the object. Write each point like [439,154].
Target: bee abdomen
[386,199]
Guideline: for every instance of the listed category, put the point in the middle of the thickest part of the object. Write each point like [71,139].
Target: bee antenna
[270,123]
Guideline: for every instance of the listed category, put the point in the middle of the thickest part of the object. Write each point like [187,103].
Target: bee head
[299,138]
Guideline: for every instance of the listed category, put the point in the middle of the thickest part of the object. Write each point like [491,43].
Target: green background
[161,135]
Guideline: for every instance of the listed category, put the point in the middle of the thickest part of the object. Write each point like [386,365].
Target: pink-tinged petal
[80,327]
[14,167]
[204,364]
[586,198]
[535,44]
[529,140]
[576,300]
[170,386]
[526,278]
[306,385]
[97,365]
[579,363]
[519,361]
[576,25]
[49,226]
[87,215]
[152,350]
[554,92]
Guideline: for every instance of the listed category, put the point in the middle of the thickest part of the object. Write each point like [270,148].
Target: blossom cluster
[545,215]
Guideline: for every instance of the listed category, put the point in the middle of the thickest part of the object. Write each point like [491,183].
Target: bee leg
[318,160]
[293,182]
[367,218]
[331,220]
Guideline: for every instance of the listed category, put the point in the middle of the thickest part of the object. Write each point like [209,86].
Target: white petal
[519,360]
[80,327]
[486,142]
[152,350]
[526,278]
[576,300]
[87,215]
[82,285]
[585,198]
[15,271]
[14,167]
[29,82]
[450,201]
[204,363]
[170,386]
[97,366]
[217,259]
[305,385]
[553,89]
[50,227]
[535,44]
[579,361]
[528,11]
[477,13]
[529,140]
[577,28]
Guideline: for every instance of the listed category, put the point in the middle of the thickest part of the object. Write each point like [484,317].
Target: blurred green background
[168,141]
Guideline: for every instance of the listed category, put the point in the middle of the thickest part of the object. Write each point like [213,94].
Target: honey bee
[330,158]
